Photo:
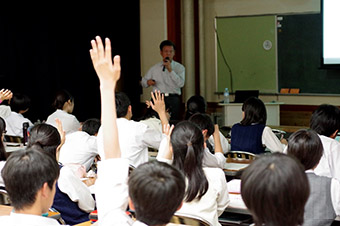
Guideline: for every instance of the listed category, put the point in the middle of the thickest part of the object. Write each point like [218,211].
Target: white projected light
[331,32]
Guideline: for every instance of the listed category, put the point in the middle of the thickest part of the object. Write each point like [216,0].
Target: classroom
[47,53]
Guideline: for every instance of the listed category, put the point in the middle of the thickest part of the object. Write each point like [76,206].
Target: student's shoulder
[213,172]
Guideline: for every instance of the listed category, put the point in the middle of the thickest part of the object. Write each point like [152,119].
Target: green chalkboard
[299,55]
[242,61]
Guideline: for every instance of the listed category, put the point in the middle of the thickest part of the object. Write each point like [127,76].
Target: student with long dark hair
[3,155]
[206,194]
[323,204]
[252,134]
[275,189]
[64,105]
[73,199]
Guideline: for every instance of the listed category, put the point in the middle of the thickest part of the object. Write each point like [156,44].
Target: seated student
[206,193]
[64,105]
[213,157]
[163,183]
[32,191]
[5,109]
[73,198]
[80,147]
[20,104]
[151,117]
[252,134]
[197,104]
[135,137]
[323,204]
[325,121]
[3,154]
[275,189]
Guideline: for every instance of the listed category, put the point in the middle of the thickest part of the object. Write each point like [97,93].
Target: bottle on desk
[226,96]
[25,126]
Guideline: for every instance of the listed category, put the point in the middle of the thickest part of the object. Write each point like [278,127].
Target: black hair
[167,43]
[254,111]
[275,189]
[306,146]
[188,149]
[203,121]
[325,119]
[46,136]
[61,97]
[122,104]
[156,190]
[24,174]
[91,126]
[195,104]
[3,155]
[20,102]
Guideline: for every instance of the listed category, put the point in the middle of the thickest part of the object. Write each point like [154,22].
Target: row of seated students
[186,183]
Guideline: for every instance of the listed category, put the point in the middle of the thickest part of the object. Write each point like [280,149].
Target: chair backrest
[182,219]
[4,198]
[240,157]
[13,139]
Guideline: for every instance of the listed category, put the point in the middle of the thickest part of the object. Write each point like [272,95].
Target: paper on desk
[234,186]
[235,166]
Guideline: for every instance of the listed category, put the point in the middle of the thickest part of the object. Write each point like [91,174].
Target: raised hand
[5,94]
[107,71]
[158,102]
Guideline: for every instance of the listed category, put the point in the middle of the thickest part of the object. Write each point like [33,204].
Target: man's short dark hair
[203,121]
[156,190]
[167,43]
[306,146]
[25,172]
[275,189]
[122,104]
[91,126]
[325,119]
[20,102]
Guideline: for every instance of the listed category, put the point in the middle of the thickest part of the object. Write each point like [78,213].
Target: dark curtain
[45,51]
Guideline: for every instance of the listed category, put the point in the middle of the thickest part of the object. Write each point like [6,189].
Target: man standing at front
[168,77]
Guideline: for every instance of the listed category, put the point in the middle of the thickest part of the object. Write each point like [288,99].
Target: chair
[240,157]
[13,139]
[4,198]
[183,219]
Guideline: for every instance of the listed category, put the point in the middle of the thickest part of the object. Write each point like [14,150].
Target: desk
[10,146]
[233,113]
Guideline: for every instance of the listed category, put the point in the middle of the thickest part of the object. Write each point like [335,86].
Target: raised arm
[108,74]
[159,106]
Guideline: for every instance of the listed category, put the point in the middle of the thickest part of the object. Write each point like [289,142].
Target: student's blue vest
[247,138]
[69,210]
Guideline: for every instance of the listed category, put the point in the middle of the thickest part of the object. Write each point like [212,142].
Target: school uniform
[134,140]
[330,159]
[323,204]
[73,198]
[112,193]
[213,202]
[79,148]
[224,142]
[254,138]
[14,124]
[17,219]
[70,122]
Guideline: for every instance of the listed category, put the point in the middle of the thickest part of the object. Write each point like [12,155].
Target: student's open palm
[102,61]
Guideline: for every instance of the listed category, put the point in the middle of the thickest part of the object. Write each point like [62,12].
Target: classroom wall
[153,30]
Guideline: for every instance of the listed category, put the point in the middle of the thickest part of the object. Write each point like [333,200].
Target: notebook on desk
[242,95]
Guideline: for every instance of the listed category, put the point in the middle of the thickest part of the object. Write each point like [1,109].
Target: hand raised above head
[107,71]
[158,102]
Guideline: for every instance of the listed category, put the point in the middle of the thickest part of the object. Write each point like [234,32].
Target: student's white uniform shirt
[14,124]
[216,160]
[70,122]
[329,164]
[5,111]
[112,193]
[270,140]
[224,142]
[214,202]
[75,189]
[80,148]
[17,219]
[153,123]
[134,140]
